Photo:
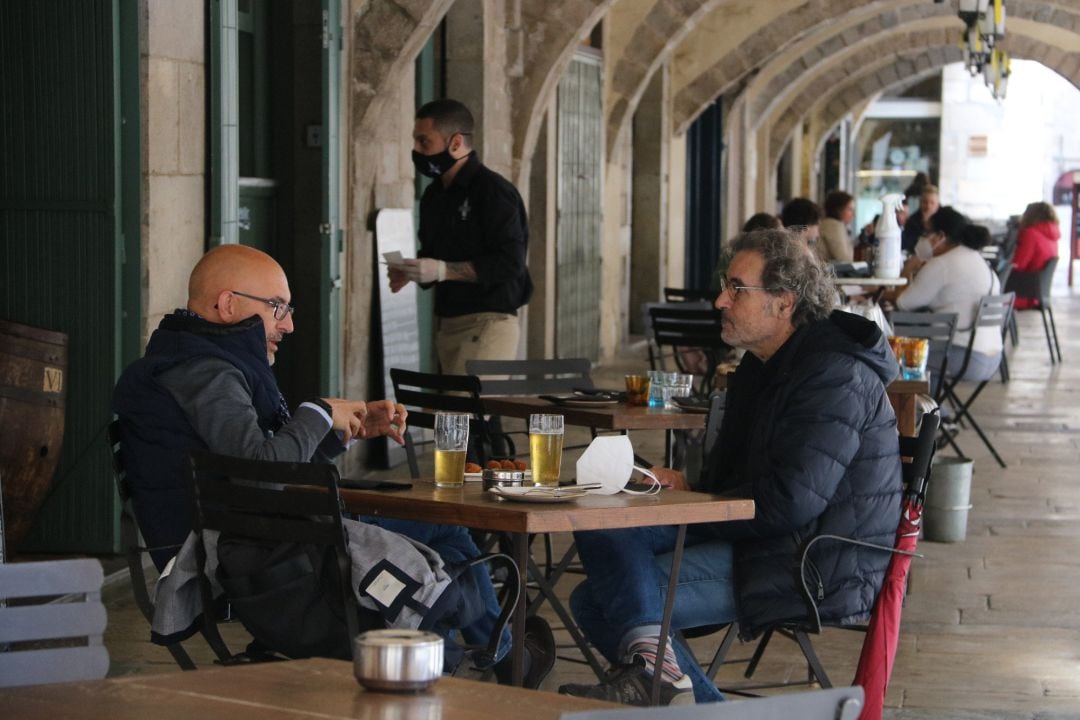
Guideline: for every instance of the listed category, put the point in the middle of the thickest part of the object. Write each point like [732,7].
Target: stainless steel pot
[397,660]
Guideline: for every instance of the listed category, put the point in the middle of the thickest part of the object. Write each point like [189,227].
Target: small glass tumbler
[916,351]
[658,380]
[680,386]
[637,389]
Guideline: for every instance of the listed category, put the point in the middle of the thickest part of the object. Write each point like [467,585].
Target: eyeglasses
[734,290]
[281,309]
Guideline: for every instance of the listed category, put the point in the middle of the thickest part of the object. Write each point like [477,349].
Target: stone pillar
[615,247]
[540,328]
[648,239]
[173,53]
[676,215]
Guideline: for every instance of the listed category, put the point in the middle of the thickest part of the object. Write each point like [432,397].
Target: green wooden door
[61,249]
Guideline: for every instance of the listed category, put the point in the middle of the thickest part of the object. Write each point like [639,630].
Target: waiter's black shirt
[480,219]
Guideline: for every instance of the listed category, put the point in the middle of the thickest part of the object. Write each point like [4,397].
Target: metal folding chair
[916,475]
[1036,285]
[677,329]
[993,311]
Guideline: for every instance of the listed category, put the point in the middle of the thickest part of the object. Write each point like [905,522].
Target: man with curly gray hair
[809,434]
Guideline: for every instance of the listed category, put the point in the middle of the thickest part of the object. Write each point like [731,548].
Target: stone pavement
[991,628]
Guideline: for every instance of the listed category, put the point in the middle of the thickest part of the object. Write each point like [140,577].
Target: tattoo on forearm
[461,271]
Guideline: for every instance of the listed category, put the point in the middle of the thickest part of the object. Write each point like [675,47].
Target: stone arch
[656,37]
[551,31]
[694,97]
[864,72]
[385,38]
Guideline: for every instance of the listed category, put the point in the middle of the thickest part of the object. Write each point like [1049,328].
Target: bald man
[206,382]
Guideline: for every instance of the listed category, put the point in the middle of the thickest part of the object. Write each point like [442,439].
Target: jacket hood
[1048,229]
[853,335]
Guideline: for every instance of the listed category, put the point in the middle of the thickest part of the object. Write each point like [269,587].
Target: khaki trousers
[487,336]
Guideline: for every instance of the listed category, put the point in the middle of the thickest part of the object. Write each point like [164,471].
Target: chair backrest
[672,295]
[920,449]
[833,704]
[992,311]
[271,502]
[939,329]
[130,539]
[78,614]
[425,394]
[531,377]
[692,327]
[1033,284]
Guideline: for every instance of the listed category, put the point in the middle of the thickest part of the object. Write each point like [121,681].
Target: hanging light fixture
[984,23]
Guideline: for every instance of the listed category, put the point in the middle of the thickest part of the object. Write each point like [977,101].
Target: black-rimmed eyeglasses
[726,286]
[281,309]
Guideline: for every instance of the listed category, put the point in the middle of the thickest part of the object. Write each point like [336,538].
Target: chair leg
[751,668]
[1046,330]
[813,663]
[965,410]
[1003,368]
[1053,328]
[722,651]
[1014,333]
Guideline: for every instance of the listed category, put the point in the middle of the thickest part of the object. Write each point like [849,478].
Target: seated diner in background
[948,274]
[917,223]
[809,435]
[835,244]
[1036,243]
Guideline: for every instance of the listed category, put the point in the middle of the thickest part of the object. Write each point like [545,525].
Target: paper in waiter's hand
[394,259]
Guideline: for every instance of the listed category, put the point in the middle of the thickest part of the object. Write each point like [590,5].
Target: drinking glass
[637,389]
[545,448]
[451,442]
[658,380]
[916,351]
[680,386]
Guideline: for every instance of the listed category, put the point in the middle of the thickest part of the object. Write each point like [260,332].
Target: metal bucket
[948,500]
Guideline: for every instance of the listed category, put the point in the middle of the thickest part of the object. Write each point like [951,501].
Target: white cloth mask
[924,249]
[608,463]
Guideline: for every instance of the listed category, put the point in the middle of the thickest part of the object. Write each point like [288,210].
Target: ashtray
[505,478]
[397,660]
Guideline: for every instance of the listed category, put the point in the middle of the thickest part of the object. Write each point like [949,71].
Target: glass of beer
[451,442]
[545,448]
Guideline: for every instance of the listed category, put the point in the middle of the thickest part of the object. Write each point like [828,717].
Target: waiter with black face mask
[473,242]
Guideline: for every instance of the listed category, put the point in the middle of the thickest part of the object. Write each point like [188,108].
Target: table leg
[669,605]
[517,647]
[547,590]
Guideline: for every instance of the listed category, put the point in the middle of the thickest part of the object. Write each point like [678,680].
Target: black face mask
[434,165]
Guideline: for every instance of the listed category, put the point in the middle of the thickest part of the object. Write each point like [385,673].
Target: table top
[474,508]
[314,688]
[619,416]
[871,281]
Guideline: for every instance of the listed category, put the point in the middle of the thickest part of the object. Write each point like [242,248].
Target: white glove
[424,270]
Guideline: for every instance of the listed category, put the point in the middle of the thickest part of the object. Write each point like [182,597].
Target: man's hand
[385,418]
[348,417]
[424,270]
[398,279]
[669,478]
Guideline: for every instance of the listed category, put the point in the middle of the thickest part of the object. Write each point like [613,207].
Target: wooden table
[619,416]
[314,688]
[472,507]
[902,396]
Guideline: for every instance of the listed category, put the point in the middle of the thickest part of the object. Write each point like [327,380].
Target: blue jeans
[622,597]
[456,547]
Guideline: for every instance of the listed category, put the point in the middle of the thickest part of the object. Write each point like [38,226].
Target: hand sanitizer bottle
[887,259]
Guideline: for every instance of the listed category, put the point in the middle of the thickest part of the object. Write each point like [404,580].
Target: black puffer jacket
[811,437]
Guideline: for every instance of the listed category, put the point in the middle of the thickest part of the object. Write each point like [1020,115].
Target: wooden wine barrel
[33,375]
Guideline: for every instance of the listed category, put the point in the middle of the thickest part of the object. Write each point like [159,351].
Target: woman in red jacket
[1036,244]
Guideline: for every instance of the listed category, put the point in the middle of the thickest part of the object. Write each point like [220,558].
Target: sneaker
[632,685]
[539,655]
